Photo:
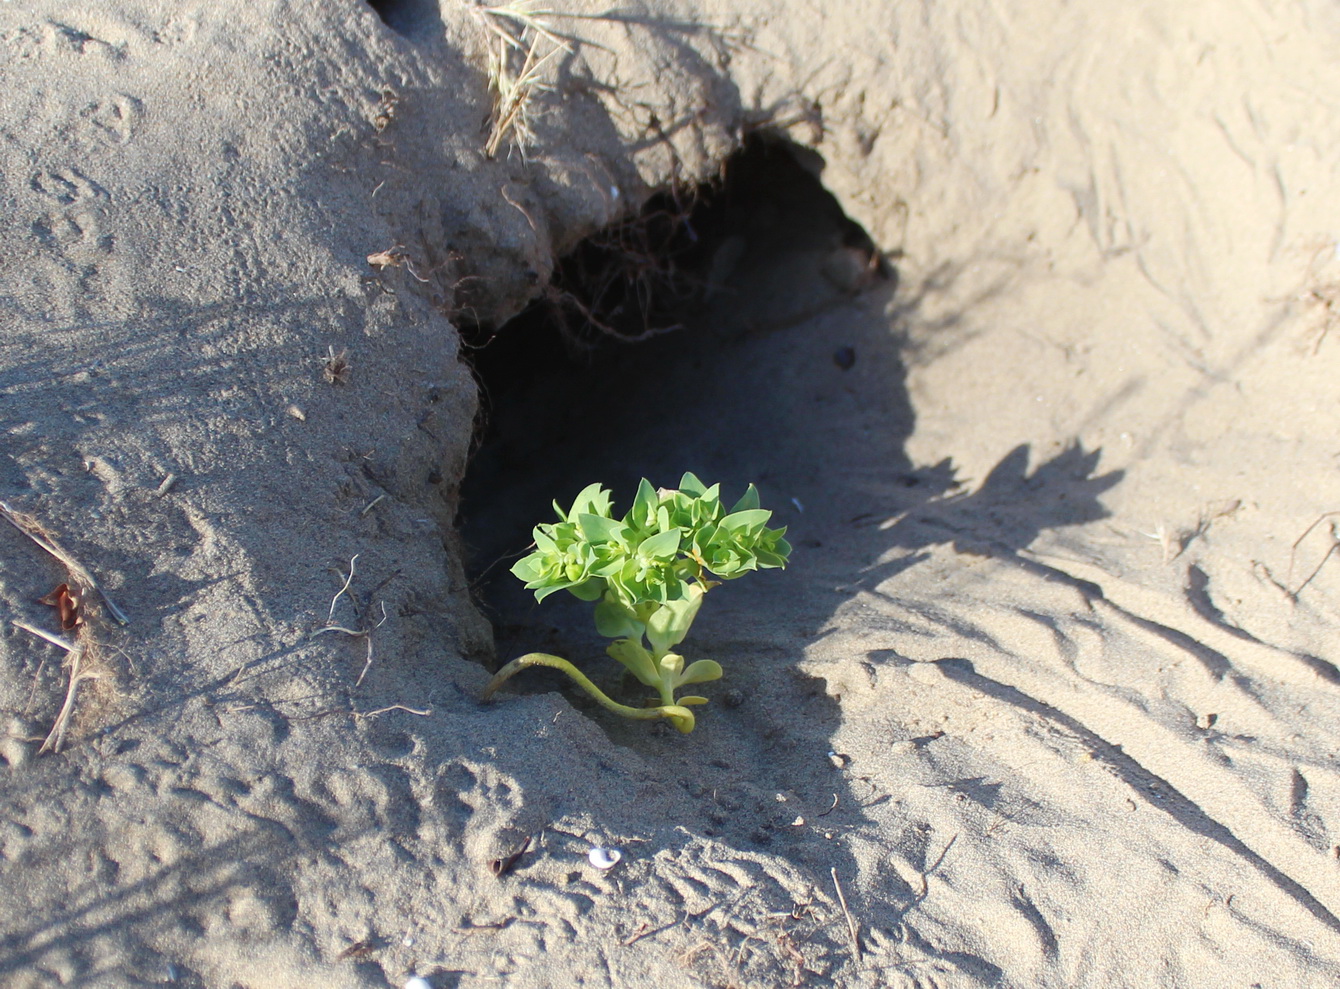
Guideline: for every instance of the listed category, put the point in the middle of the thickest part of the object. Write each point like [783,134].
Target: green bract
[647,572]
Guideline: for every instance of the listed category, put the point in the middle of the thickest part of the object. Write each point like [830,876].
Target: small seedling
[647,574]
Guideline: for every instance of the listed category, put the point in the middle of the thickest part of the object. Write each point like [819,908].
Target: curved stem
[680,717]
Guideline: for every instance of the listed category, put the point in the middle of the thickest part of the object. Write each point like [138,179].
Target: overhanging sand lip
[1088,746]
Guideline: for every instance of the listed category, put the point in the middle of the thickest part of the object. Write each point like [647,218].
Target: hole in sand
[405,16]
[643,357]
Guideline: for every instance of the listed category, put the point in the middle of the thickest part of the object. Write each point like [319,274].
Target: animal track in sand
[66,186]
[114,119]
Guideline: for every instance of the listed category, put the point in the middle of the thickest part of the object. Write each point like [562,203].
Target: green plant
[647,574]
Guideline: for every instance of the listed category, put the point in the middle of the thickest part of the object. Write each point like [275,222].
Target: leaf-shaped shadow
[1012,507]
[1001,517]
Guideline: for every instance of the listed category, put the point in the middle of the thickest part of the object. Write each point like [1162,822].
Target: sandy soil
[1049,694]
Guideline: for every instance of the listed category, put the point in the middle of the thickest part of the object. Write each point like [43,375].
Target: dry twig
[343,590]
[513,92]
[519,207]
[361,633]
[34,530]
[74,661]
[81,659]
[360,715]
[520,27]
[851,922]
[54,640]
[1293,551]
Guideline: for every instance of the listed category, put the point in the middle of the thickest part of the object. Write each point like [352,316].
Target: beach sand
[1049,695]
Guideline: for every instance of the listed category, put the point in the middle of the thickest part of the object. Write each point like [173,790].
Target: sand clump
[1047,696]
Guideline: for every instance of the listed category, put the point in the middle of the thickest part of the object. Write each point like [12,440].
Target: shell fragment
[604,859]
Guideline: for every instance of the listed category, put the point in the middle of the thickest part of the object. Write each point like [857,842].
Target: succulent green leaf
[643,513]
[777,553]
[636,659]
[528,568]
[747,520]
[615,621]
[690,485]
[748,502]
[588,590]
[671,663]
[678,715]
[599,529]
[543,592]
[699,671]
[661,546]
[592,499]
[703,538]
[669,624]
[611,566]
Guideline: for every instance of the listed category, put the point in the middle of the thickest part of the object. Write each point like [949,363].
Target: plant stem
[681,717]
[666,687]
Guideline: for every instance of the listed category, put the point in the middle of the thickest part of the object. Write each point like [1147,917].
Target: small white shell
[418,982]
[604,859]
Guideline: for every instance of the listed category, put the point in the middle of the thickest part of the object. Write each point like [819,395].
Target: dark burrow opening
[704,334]
[407,17]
